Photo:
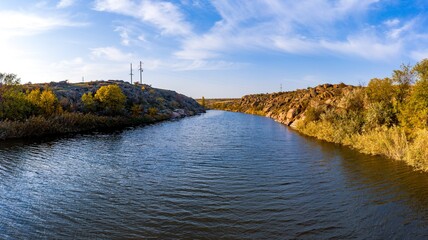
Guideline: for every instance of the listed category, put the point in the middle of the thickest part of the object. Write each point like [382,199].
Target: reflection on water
[217,176]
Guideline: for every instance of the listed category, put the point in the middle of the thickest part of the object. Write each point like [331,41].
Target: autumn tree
[415,110]
[403,80]
[89,102]
[111,98]
[43,102]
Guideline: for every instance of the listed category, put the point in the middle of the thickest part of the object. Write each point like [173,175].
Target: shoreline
[74,123]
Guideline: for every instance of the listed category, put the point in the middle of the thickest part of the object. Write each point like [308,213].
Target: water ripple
[216,176]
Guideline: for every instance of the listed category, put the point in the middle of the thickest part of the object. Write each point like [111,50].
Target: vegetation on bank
[58,108]
[387,117]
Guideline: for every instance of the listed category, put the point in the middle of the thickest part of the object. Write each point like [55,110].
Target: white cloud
[419,55]
[397,32]
[111,54]
[365,46]
[392,22]
[124,35]
[65,3]
[14,23]
[162,14]
[205,65]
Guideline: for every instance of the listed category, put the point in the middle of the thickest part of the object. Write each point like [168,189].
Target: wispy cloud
[124,35]
[164,15]
[13,23]
[295,27]
[65,3]
[111,54]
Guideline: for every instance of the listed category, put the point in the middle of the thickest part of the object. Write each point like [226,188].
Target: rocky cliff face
[290,107]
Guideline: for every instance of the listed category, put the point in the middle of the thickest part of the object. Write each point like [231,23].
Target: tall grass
[67,123]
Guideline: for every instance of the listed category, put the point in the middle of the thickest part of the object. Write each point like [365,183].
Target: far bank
[35,110]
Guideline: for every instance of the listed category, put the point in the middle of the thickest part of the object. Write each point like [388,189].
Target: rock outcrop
[289,107]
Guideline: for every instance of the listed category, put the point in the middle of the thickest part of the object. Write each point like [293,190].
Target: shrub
[89,102]
[390,142]
[152,111]
[378,114]
[312,114]
[418,150]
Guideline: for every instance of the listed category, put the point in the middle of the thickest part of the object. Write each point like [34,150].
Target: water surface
[220,175]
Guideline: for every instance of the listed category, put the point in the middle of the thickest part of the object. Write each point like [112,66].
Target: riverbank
[388,117]
[69,123]
[35,110]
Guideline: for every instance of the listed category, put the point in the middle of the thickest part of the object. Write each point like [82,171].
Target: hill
[30,110]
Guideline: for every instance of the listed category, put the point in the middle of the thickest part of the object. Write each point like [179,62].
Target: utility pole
[280,88]
[141,72]
[131,74]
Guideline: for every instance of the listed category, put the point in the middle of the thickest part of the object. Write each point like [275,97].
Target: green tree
[13,104]
[111,98]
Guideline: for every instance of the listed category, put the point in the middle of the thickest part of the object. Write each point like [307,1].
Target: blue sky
[212,48]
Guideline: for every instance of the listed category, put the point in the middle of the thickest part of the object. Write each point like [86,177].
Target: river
[220,175]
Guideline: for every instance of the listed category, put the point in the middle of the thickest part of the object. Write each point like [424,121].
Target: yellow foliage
[111,98]
[418,150]
[45,101]
[88,101]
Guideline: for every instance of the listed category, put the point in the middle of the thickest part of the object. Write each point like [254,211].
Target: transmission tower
[141,72]
[131,74]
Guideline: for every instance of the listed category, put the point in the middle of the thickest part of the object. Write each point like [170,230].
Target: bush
[152,111]
[379,114]
[390,142]
[89,102]
[418,151]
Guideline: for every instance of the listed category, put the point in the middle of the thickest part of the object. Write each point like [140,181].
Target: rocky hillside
[289,107]
[36,110]
[164,101]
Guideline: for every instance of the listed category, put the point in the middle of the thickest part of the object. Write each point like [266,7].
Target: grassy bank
[65,123]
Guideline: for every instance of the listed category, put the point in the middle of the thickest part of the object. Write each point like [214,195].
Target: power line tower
[280,88]
[131,74]
[141,72]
